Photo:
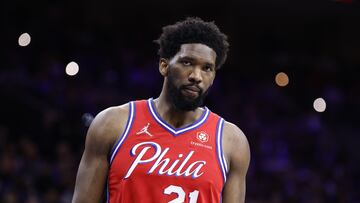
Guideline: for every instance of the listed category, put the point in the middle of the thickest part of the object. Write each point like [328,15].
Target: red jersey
[154,162]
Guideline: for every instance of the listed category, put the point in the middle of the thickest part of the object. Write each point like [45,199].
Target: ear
[163,67]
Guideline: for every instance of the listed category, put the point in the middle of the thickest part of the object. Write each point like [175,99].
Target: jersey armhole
[219,148]
[122,138]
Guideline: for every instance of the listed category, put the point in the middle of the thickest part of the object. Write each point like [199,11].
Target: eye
[208,68]
[186,63]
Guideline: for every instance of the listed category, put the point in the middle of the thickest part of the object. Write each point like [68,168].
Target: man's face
[191,73]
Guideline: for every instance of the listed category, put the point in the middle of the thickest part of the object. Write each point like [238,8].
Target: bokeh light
[72,68]
[319,105]
[282,79]
[87,118]
[24,39]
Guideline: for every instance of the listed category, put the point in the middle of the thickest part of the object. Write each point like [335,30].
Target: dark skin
[193,64]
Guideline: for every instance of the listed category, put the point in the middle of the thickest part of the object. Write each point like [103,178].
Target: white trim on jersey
[125,133]
[119,143]
[220,154]
[171,129]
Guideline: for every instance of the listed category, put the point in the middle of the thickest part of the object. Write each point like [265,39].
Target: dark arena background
[291,83]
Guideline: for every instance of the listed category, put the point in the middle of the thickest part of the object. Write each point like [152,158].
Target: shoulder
[110,118]
[236,147]
[233,133]
[235,144]
[107,126]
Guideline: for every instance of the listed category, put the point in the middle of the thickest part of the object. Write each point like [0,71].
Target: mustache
[192,86]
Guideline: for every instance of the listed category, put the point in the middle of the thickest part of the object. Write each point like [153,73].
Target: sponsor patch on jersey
[201,139]
[198,144]
[202,136]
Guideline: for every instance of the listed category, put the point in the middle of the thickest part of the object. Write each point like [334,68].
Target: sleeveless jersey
[155,163]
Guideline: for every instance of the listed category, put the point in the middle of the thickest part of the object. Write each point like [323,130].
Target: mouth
[191,91]
[192,88]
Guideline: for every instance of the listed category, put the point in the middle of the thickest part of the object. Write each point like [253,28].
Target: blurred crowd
[297,154]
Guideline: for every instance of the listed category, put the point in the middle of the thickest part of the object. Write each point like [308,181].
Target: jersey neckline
[168,127]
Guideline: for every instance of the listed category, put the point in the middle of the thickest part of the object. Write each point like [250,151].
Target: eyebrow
[187,58]
[193,59]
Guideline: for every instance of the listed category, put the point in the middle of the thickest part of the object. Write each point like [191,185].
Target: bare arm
[93,168]
[237,150]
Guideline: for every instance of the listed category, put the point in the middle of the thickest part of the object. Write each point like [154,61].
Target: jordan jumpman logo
[145,130]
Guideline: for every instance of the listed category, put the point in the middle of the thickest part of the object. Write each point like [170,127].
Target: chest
[151,151]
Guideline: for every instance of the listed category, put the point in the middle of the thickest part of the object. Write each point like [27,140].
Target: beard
[179,100]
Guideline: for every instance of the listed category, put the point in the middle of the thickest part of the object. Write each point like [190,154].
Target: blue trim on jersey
[177,131]
[126,131]
[107,192]
[219,150]
[120,142]
[221,147]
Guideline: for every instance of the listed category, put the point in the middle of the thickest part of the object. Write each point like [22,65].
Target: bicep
[235,187]
[92,172]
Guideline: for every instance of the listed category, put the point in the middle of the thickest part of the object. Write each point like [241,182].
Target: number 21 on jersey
[181,194]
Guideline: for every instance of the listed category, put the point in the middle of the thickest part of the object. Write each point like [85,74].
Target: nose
[195,76]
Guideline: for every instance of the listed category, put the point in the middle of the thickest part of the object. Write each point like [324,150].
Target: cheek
[211,79]
[175,77]
[208,83]
[177,74]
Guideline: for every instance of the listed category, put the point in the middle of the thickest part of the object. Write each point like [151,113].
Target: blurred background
[290,83]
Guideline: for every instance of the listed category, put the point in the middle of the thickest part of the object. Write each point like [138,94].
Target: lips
[191,91]
[192,88]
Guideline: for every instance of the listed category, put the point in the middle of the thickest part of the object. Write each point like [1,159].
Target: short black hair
[193,30]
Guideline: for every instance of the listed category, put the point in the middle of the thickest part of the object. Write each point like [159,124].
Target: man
[169,149]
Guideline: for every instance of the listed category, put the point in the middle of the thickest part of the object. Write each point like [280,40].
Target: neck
[173,116]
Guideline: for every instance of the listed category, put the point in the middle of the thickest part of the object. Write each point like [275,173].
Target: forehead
[197,51]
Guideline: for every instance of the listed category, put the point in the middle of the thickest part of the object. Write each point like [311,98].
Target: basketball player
[169,149]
